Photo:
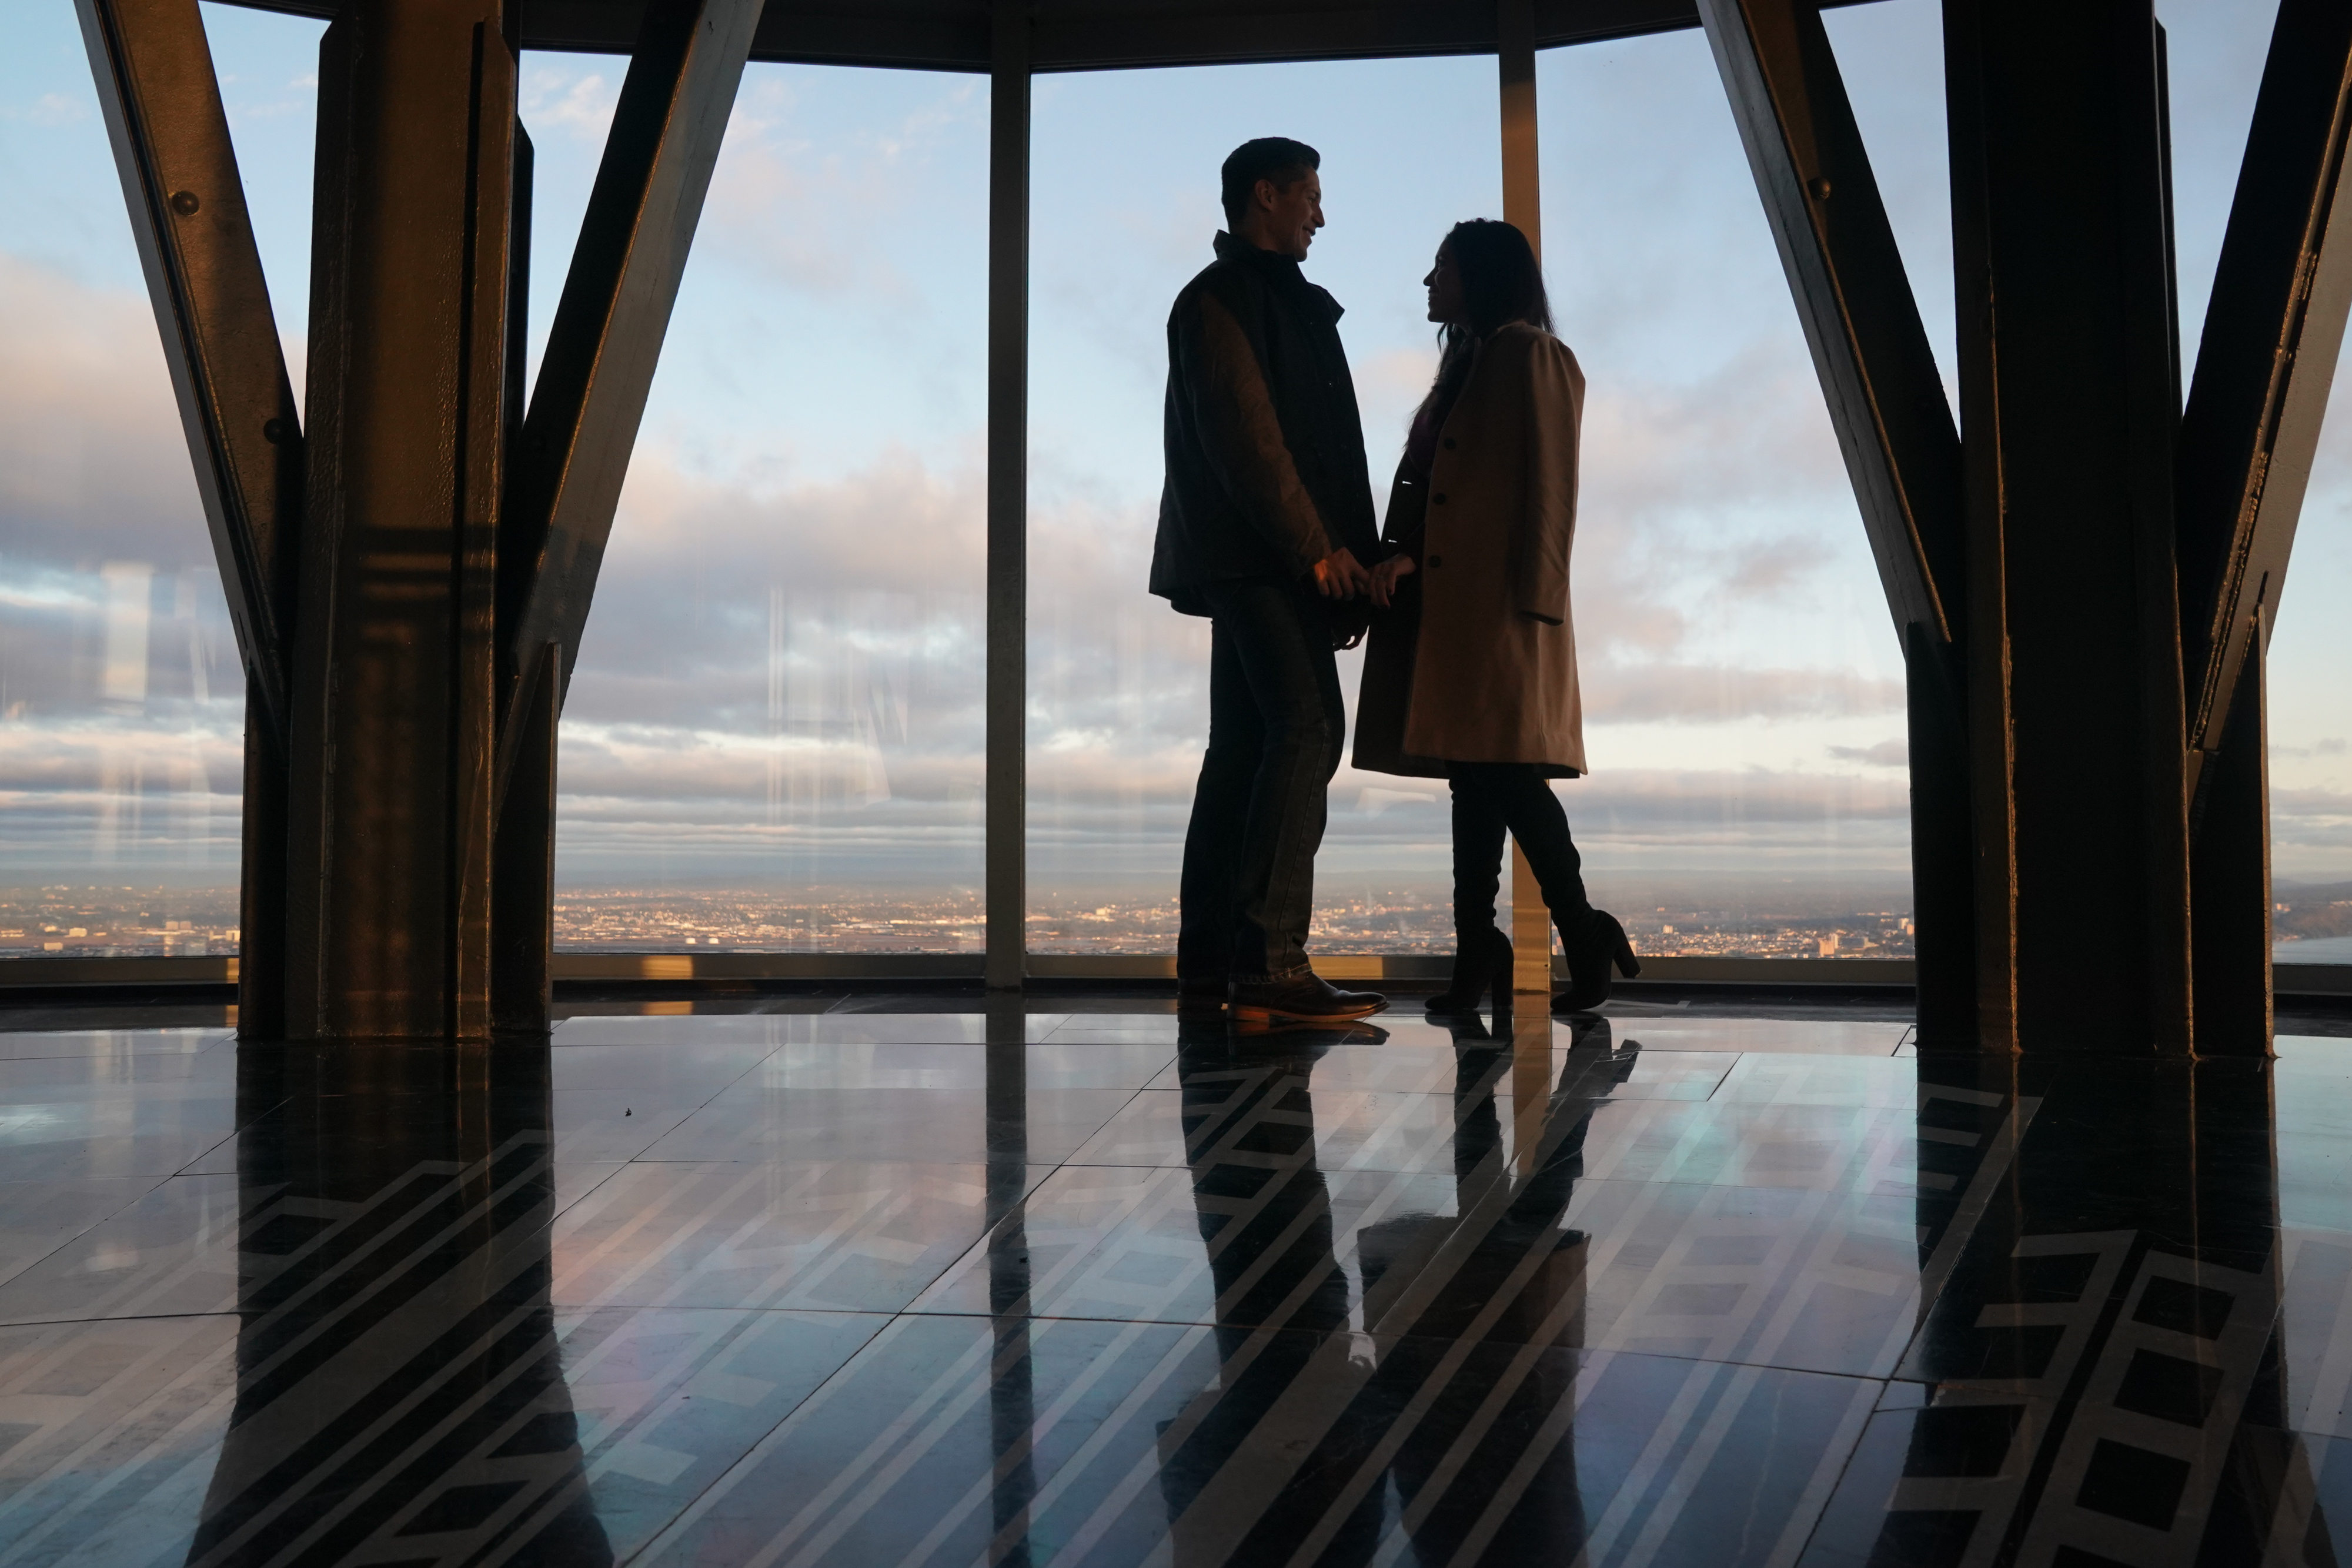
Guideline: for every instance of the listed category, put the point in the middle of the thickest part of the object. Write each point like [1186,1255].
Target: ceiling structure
[1099,35]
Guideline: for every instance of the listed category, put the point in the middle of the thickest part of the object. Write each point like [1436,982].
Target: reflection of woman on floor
[1471,676]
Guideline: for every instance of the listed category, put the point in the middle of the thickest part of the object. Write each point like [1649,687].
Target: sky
[781,682]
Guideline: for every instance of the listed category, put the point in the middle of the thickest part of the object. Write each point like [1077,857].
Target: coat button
[1435,561]
[1438,499]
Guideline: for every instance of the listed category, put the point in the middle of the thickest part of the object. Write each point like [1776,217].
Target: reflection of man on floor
[1316,1409]
[1265,523]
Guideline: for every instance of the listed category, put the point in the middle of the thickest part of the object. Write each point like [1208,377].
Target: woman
[1471,674]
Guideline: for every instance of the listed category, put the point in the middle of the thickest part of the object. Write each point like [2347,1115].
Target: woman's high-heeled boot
[1600,944]
[1480,962]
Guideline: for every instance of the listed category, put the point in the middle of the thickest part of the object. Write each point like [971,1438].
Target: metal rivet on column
[184,202]
[1820,187]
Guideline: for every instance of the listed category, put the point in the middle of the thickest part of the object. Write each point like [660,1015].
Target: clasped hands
[1340,575]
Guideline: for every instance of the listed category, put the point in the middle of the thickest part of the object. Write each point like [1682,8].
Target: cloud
[1718,694]
[822,206]
[560,96]
[49,109]
[94,463]
[1885,754]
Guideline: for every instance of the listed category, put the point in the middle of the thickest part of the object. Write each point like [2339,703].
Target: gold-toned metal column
[1514,51]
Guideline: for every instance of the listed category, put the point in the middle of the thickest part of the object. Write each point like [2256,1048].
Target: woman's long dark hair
[1501,284]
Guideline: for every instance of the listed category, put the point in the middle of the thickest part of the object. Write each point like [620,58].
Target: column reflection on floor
[2103,1377]
[400,1394]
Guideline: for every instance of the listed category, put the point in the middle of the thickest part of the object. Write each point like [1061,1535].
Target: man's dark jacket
[1265,450]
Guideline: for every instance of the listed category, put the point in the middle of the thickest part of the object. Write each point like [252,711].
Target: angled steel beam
[1869,347]
[171,146]
[607,334]
[2280,292]
[1895,430]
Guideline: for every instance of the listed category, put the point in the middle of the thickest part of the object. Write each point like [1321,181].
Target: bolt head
[1820,187]
[185,203]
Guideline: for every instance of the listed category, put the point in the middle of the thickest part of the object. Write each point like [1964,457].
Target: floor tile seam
[615,1167]
[751,1450]
[1424,1339]
[152,1184]
[7,1323]
[659,1533]
[1837,1484]
[579,1310]
[236,1129]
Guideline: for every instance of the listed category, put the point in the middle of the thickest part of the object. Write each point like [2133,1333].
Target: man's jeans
[1276,725]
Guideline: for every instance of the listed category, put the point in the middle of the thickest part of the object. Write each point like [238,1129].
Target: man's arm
[1240,437]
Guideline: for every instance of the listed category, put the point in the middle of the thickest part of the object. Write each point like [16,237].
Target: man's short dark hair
[1275,158]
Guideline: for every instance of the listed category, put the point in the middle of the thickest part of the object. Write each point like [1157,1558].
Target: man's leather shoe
[1309,999]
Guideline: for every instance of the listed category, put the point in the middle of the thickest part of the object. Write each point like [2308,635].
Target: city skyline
[1759,917]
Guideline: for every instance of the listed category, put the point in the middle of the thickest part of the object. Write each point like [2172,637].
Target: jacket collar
[1279,270]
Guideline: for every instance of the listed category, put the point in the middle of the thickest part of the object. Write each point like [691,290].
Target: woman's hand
[1385,576]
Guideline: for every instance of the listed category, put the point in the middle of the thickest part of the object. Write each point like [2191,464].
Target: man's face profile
[1289,215]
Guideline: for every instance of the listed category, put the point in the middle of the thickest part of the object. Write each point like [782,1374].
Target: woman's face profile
[1445,285]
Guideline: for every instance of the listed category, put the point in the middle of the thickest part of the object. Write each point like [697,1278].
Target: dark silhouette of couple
[1267,527]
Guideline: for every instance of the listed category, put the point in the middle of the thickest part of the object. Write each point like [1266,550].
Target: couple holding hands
[1267,528]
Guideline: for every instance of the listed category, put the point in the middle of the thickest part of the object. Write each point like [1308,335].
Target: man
[1265,525]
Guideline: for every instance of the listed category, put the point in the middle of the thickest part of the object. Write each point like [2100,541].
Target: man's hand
[1340,575]
[1385,576]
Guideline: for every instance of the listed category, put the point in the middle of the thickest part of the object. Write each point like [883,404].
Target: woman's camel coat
[1475,659]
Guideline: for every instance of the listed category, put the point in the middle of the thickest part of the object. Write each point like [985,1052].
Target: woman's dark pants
[1277,723]
[1489,800]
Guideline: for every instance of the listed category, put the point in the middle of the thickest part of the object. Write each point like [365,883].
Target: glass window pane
[1125,177]
[774,739]
[1741,675]
[122,701]
[2217,51]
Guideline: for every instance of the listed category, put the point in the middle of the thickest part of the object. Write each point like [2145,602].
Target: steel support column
[2068,378]
[1515,59]
[163,115]
[2273,332]
[522,869]
[1008,498]
[388,857]
[2230,873]
[398,857]
[1893,426]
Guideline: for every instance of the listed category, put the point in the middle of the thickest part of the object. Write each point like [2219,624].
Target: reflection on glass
[121,702]
[774,740]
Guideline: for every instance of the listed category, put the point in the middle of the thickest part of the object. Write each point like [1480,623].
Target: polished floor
[874,1285]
